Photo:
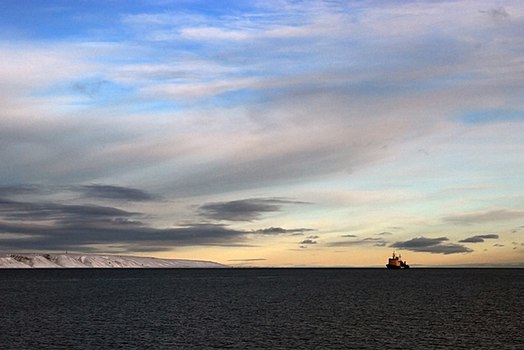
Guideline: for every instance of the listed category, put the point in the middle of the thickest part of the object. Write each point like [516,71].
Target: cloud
[479,238]
[48,225]
[373,241]
[282,231]
[497,14]
[32,211]
[308,241]
[90,88]
[29,65]
[43,223]
[431,245]
[6,191]
[243,210]
[82,227]
[115,192]
[132,236]
[485,216]
[339,89]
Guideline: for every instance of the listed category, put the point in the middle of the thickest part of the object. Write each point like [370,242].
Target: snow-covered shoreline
[42,260]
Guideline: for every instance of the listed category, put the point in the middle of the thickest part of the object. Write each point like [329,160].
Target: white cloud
[28,66]
[189,91]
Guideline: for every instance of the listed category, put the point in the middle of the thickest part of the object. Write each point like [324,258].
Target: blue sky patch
[492,116]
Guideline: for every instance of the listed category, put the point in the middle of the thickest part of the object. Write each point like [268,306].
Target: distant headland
[42,260]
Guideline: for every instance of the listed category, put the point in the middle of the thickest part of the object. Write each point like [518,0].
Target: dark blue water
[262,309]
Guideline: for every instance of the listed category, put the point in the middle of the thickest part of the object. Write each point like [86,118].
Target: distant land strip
[42,260]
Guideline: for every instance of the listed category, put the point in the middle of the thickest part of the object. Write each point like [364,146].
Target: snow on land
[35,260]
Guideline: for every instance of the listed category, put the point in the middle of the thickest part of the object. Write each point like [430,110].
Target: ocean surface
[262,309]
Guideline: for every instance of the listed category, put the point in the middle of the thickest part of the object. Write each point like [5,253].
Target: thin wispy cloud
[283,231]
[486,216]
[385,233]
[370,241]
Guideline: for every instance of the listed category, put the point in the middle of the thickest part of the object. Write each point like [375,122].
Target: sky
[264,133]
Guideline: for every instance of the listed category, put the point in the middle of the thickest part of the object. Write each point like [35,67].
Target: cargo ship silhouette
[396,262]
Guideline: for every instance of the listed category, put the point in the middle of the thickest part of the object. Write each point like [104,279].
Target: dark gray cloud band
[283,231]
[115,193]
[243,210]
[308,241]
[92,191]
[130,235]
[51,225]
[438,245]
[54,226]
[479,238]
[16,210]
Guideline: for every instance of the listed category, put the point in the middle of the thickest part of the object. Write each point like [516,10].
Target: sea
[252,308]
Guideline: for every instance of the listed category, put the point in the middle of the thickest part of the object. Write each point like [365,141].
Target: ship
[395,262]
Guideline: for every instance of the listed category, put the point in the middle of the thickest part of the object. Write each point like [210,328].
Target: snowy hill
[35,260]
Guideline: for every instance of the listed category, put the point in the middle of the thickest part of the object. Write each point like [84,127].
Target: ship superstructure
[396,262]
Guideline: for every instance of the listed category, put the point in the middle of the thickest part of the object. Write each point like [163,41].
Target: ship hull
[393,267]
